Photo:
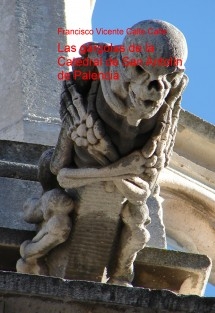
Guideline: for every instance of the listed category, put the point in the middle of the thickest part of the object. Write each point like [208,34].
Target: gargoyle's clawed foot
[33,266]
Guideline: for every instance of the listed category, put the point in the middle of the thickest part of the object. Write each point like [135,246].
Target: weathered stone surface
[194,137]
[181,272]
[28,33]
[191,223]
[87,253]
[29,85]
[12,238]
[11,124]
[18,178]
[37,36]
[19,160]
[35,294]
[156,228]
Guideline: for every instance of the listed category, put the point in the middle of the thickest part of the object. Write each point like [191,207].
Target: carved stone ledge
[49,294]
[181,272]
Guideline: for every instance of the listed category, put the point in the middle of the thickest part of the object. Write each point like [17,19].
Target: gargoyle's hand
[135,189]
[178,86]
[90,133]
[99,143]
[74,109]
[85,128]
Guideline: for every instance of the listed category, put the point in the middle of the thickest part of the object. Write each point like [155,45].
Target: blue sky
[196,20]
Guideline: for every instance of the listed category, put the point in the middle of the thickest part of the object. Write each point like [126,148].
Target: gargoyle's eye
[174,78]
[139,69]
[171,77]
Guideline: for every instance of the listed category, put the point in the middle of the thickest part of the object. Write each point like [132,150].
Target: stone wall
[29,88]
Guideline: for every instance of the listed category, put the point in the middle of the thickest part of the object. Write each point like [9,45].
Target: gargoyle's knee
[135,214]
[142,236]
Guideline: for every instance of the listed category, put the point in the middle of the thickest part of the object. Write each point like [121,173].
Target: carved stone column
[90,247]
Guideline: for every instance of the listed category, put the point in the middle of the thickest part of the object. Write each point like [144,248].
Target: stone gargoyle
[116,137]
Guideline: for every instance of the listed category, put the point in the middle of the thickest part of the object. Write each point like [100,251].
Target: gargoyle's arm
[126,167]
[123,173]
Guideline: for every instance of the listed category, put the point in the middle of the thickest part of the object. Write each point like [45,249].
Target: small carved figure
[51,212]
[119,133]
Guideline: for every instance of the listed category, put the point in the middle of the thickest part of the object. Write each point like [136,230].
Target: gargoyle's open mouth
[148,103]
[135,102]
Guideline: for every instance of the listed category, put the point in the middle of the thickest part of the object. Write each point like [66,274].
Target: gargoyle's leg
[55,232]
[133,238]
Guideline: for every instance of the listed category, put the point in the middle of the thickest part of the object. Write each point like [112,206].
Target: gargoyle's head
[152,64]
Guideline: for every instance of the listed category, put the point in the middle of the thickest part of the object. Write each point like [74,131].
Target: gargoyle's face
[148,84]
[147,92]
